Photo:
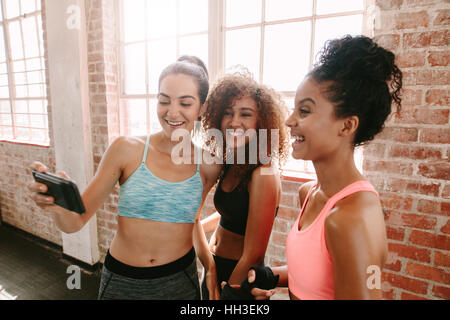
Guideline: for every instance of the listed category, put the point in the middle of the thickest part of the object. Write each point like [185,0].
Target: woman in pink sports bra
[339,239]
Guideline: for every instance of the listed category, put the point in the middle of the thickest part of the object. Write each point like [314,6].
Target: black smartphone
[64,191]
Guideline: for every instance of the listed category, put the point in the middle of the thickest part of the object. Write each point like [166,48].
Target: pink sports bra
[310,274]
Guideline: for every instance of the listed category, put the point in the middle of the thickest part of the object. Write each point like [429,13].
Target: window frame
[216,57]
[5,23]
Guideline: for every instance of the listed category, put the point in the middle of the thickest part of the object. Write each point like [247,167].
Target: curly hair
[363,81]
[272,113]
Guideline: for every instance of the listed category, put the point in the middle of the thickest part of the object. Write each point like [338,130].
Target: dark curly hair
[364,81]
[272,113]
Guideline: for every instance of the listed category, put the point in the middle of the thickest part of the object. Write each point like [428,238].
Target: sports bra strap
[146,149]
[357,186]
[199,158]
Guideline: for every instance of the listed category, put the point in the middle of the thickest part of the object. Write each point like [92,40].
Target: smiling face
[315,130]
[237,119]
[178,103]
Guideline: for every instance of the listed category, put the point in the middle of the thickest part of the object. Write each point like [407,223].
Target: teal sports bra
[145,196]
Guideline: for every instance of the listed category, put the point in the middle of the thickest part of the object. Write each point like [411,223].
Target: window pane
[286,62]
[19,66]
[19,78]
[4,92]
[15,36]
[21,91]
[332,28]
[39,135]
[3,68]
[34,77]
[2,45]
[134,68]
[5,119]
[333,6]
[7,132]
[161,18]
[30,37]
[5,106]
[161,53]
[288,9]
[21,106]
[28,6]
[3,80]
[195,45]
[21,120]
[137,117]
[243,48]
[240,12]
[133,20]
[12,8]
[37,121]
[23,134]
[33,64]
[194,16]
[36,106]
[36,90]
[155,126]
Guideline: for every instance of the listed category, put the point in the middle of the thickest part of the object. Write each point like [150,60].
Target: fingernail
[42,188]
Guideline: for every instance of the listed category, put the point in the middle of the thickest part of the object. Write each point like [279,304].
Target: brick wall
[103,90]
[16,207]
[409,161]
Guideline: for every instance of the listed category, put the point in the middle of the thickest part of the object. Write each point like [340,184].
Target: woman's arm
[209,176]
[356,240]
[264,192]
[94,195]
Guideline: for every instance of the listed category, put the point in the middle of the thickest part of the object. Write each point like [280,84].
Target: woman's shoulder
[265,175]
[354,211]
[129,141]
[126,146]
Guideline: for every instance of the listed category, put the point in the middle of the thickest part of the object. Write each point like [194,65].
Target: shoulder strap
[350,189]
[199,157]
[306,199]
[146,149]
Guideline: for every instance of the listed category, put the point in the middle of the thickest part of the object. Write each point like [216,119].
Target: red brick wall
[409,161]
[103,90]
[16,207]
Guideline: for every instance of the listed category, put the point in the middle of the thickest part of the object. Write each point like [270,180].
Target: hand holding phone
[65,192]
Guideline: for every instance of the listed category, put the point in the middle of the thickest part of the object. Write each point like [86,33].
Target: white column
[69,96]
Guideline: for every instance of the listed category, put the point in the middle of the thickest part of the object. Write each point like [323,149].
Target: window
[23,97]
[276,40]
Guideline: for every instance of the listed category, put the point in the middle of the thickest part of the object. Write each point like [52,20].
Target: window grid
[21,77]
[217,30]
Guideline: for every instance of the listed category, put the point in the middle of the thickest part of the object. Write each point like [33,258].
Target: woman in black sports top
[249,188]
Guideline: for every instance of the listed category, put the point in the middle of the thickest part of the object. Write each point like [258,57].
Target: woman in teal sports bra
[152,254]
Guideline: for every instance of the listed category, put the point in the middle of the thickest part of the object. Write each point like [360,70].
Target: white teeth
[299,138]
[174,123]
[235,133]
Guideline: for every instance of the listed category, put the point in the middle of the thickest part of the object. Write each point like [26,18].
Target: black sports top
[232,206]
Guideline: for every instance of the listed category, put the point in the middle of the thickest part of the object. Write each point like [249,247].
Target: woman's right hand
[43,201]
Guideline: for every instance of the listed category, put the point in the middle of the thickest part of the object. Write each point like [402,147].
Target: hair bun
[196,61]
